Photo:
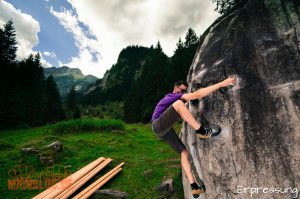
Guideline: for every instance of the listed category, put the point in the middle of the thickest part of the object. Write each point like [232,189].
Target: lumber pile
[66,187]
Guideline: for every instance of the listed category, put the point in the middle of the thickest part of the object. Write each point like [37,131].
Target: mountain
[141,77]
[117,81]
[66,77]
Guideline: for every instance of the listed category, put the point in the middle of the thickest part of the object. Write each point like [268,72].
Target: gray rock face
[259,145]
[56,146]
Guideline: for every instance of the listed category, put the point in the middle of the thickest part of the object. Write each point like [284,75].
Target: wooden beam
[94,189]
[94,186]
[57,188]
[70,190]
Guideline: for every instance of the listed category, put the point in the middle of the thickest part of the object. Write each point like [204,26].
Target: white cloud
[44,62]
[26,27]
[116,24]
[89,58]
[119,23]
[49,54]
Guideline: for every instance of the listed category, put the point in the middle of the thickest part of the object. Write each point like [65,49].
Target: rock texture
[32,150]
[46,154]
[166,188]
[109,194]
[56,146]
[259,42]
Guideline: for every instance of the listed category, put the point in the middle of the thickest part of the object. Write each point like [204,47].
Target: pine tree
[183,56]
[178,67]
[54,108]
[224,6]
[8,43]
[37,59]
[190,38]
[32,88]
[38,66]
[76,114]
[158,47]
[179,46]
[71,104]
[148,88]
[10,114]
[71,99]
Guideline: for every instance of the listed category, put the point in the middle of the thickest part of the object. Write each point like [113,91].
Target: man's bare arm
[202,92]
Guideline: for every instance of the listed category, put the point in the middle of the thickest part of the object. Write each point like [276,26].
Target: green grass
[83,125]
[134,144]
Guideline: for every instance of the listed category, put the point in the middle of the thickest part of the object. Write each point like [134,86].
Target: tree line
[27,98]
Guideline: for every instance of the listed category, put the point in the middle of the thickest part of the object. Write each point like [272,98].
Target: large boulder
[259,42]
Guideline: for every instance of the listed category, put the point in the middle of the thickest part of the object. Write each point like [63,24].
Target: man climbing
[169,110]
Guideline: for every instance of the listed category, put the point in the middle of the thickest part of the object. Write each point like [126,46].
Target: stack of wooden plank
[66,187]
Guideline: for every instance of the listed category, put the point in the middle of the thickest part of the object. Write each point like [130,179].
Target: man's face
[180,89]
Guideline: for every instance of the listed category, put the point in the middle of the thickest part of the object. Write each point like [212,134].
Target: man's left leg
[173,140]
[196,189]
[185,164]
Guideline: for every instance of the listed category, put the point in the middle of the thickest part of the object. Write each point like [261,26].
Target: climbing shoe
[196,191]
[207,131]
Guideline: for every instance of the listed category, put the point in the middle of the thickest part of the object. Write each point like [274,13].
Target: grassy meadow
[148,161]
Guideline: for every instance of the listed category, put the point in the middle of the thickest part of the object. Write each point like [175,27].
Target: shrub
[83,125]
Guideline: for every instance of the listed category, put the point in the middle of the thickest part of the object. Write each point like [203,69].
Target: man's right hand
[227,82]
[202,92]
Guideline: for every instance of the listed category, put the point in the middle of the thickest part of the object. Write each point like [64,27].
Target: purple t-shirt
[164,103]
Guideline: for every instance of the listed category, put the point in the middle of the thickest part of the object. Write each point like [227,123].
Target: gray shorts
[163,128]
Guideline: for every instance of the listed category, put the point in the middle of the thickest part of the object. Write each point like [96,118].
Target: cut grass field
[148,161]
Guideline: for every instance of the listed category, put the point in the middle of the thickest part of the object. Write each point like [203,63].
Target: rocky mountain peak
[67,77]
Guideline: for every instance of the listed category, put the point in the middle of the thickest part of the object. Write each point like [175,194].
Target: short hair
[180,82]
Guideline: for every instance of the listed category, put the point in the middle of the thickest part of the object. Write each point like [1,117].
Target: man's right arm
[202,92]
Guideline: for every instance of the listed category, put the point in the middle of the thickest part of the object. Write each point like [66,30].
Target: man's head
[180,87]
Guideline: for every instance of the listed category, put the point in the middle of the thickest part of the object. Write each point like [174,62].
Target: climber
[169,110]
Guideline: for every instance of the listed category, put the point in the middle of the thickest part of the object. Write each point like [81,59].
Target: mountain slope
[66,77]
[117,81]
[141,77]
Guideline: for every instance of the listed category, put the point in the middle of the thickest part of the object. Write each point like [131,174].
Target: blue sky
[89,34]
[52,36]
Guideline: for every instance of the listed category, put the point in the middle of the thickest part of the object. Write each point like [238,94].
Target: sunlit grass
[134,144]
